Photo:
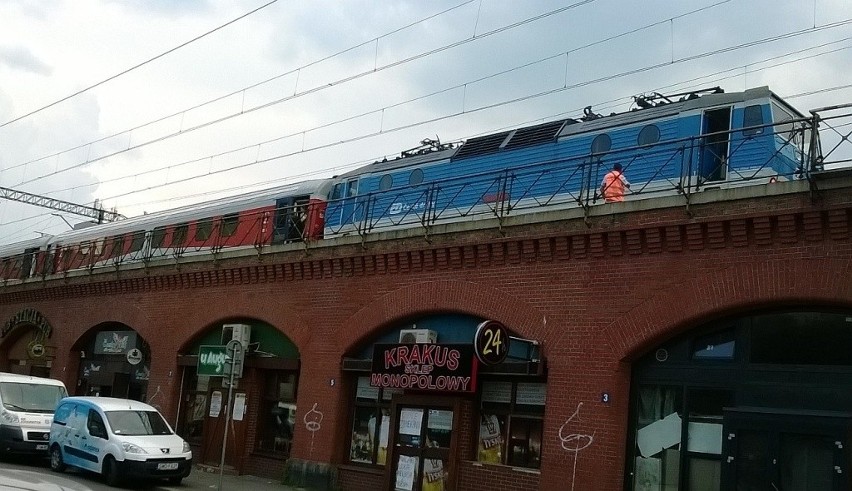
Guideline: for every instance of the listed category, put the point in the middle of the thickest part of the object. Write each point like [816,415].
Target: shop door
[214,428]
[423,444]
[790,452]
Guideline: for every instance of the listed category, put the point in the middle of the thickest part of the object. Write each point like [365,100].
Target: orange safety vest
[613,187]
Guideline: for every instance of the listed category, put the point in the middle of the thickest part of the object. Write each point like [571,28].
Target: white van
[26,411]
[118,438]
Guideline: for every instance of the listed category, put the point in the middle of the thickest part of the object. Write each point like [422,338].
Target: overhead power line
[295,95]
[134,67]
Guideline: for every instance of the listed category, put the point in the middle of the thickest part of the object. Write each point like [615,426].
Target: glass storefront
[741,403]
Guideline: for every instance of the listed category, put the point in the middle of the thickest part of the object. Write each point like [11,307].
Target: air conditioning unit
[409,336]
[240,332]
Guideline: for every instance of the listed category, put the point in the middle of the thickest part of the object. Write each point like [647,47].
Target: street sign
[234,359]
[491,342]
[211,360]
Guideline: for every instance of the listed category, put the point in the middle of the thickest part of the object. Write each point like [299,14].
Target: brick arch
[729,291]
[441,296]
[279,317]
[131,316]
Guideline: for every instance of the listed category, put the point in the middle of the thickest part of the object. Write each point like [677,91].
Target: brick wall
[597,293]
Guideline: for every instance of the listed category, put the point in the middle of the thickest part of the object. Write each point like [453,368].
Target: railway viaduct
[600,290]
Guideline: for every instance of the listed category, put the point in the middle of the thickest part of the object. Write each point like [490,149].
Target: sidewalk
[199,479]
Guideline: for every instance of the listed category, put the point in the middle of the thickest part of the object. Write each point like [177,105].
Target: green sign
[211,360]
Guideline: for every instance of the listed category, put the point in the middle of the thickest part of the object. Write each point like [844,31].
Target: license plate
[41,447]
[167,466]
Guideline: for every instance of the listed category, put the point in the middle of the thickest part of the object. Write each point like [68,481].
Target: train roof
[553,130]
[206,209]
[15,248]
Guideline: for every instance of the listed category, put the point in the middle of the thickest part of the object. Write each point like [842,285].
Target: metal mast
[94,212]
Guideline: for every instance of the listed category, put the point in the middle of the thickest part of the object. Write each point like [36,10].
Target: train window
[416,177]
[203,229]
[117,247]
[229,224]
[649,135]
[386,182]
[352,188]
[179,235]
[602,143]
[158,237]
[137,241]
[752,116]
[337,192]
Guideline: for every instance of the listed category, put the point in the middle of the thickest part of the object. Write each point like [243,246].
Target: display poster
[384,431]
[705,438]
[496,391]
[434,477]
[388,393]
[490,439]
[364,390]
[440,420]
[531,394]
[410,421]
[239,406]
[406,469]
[215,404]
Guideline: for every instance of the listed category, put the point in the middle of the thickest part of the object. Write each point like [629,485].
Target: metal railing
[794,149]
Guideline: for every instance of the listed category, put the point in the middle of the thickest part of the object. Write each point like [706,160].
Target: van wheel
[110,471]
[56,462]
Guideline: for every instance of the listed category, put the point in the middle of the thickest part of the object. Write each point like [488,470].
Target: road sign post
[234,369]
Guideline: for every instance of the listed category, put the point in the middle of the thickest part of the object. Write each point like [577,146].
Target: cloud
[21,58]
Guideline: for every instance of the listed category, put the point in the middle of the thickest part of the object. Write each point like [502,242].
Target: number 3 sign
[491,342]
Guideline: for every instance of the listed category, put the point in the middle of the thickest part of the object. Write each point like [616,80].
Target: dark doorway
[714,146]
[795,451]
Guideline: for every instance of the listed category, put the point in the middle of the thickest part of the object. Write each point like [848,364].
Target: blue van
[117,438]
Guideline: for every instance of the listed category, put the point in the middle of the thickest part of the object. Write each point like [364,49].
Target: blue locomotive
[668,145]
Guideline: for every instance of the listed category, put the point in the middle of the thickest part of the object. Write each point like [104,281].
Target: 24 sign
[491,342]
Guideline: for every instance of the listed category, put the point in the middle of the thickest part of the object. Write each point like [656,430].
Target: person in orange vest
[613,185]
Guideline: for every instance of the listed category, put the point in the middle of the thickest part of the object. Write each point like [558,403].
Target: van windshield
[137,423]
[35,398]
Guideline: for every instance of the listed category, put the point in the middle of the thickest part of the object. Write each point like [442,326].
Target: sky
[150,105]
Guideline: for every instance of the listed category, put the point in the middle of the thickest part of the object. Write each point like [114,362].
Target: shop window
[656,456]
[195,397]
[802,338]
[510,423]
[704,439]
[370,424]
[716,346]
[277,413]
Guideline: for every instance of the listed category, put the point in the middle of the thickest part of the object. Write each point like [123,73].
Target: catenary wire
[134,67]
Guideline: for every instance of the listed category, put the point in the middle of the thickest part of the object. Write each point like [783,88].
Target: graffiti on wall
[573,440]
[313,423]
